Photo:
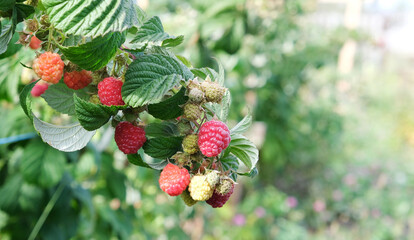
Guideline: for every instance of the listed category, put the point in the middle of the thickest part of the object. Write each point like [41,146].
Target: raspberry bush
[116,68]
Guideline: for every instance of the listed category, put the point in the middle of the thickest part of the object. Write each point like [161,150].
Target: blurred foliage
[332,163]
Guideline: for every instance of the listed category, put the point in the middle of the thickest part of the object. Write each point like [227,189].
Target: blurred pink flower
[319,205]
[337,195]
[292,202]
[239,219]
[260,212]
[350,179]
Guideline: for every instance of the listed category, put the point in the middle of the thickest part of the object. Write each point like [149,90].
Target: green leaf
[91,18]
[7,4]
[12,47]
[10,191]
[243,125]
[220,77]
[204,72]
[162,147]
[173,42]
[26,100]
[6,35]
[150,77]
[42,165]
[92,116]
[95,54]
[136,159]
[170,108]
[221,109]
[153,31]
[60,97]
[230,162]
[64,138]
[244,150]
[185,61]
[250,174]
[164,129]
[23,11]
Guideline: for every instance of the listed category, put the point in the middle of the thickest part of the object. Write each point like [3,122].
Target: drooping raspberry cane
[109,92]
[129,138]
[214,137]
[174,180]
[49,67]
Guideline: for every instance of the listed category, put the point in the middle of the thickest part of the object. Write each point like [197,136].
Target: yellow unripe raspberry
[200,189]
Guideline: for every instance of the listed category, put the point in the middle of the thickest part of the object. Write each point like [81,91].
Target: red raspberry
[218,200]
[77,80]
[39,88]
[129,138]
[109,91]
[35,43]
[214,137]
[174,180]
[49,67]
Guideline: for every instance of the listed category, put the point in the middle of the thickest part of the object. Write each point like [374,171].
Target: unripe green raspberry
[181,158]
[94,99]
[190,144]
[196,95]
[225,186]
[213,178]
[188,200]
[192,111]
[200,189]
[184,127]
[213,91]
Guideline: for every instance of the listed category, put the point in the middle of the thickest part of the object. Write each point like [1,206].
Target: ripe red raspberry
[129,138]
[109,91]
[35,43]
[77,80]
[39,88]
[218,200]
[214,137]
[49,67]
[174,180]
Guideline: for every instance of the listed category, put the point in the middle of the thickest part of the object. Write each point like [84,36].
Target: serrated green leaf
[68,138]
[162,147]
[250,174]
[173,42]
[136,159]
[204,72]
[244,150]
[230,162]
[91,18]
[93,116]
[164,129]
[12,47]
[243,125]
[6,35]
[95,54]
[221,109]
[150,77]
[220,77]
[26,100]
[153,31]
[60,97]
[170,108]
[42,165]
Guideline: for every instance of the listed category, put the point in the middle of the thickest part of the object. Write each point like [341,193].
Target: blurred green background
[329,85]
